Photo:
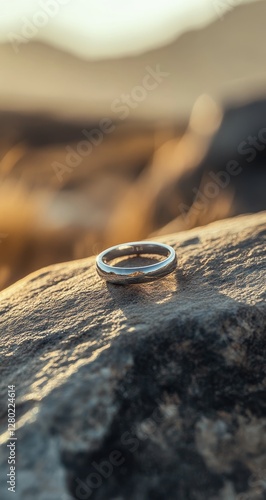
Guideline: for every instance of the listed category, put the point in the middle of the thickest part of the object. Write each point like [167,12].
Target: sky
[106,28]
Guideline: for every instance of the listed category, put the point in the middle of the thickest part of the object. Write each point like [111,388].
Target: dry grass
[130,186]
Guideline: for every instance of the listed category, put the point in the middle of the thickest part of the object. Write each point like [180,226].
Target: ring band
[138,274]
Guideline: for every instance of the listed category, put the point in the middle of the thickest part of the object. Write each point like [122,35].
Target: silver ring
[138,274]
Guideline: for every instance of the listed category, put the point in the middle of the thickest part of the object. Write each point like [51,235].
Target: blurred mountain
[224,59]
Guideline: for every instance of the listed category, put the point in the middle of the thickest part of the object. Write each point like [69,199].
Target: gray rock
[152,391]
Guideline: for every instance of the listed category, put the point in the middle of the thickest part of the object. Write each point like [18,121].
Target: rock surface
[152,391]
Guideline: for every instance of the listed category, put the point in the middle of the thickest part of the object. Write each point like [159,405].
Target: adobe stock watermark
[30,26]
[11,445]
[121,106]
[223,6]
[103,470]
[220,180]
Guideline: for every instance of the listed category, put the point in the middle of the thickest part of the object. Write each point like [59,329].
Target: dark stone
[144,392]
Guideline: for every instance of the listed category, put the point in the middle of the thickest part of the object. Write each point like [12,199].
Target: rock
[231,144]
[232,168]
[152,391]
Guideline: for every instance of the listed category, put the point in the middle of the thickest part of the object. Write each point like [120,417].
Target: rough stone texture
[171,374]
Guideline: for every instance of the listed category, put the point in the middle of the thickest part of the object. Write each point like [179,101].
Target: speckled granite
[145,392]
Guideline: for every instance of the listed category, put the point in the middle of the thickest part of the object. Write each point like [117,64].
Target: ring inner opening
[144,255]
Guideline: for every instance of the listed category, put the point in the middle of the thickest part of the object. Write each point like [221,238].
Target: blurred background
[121,121]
